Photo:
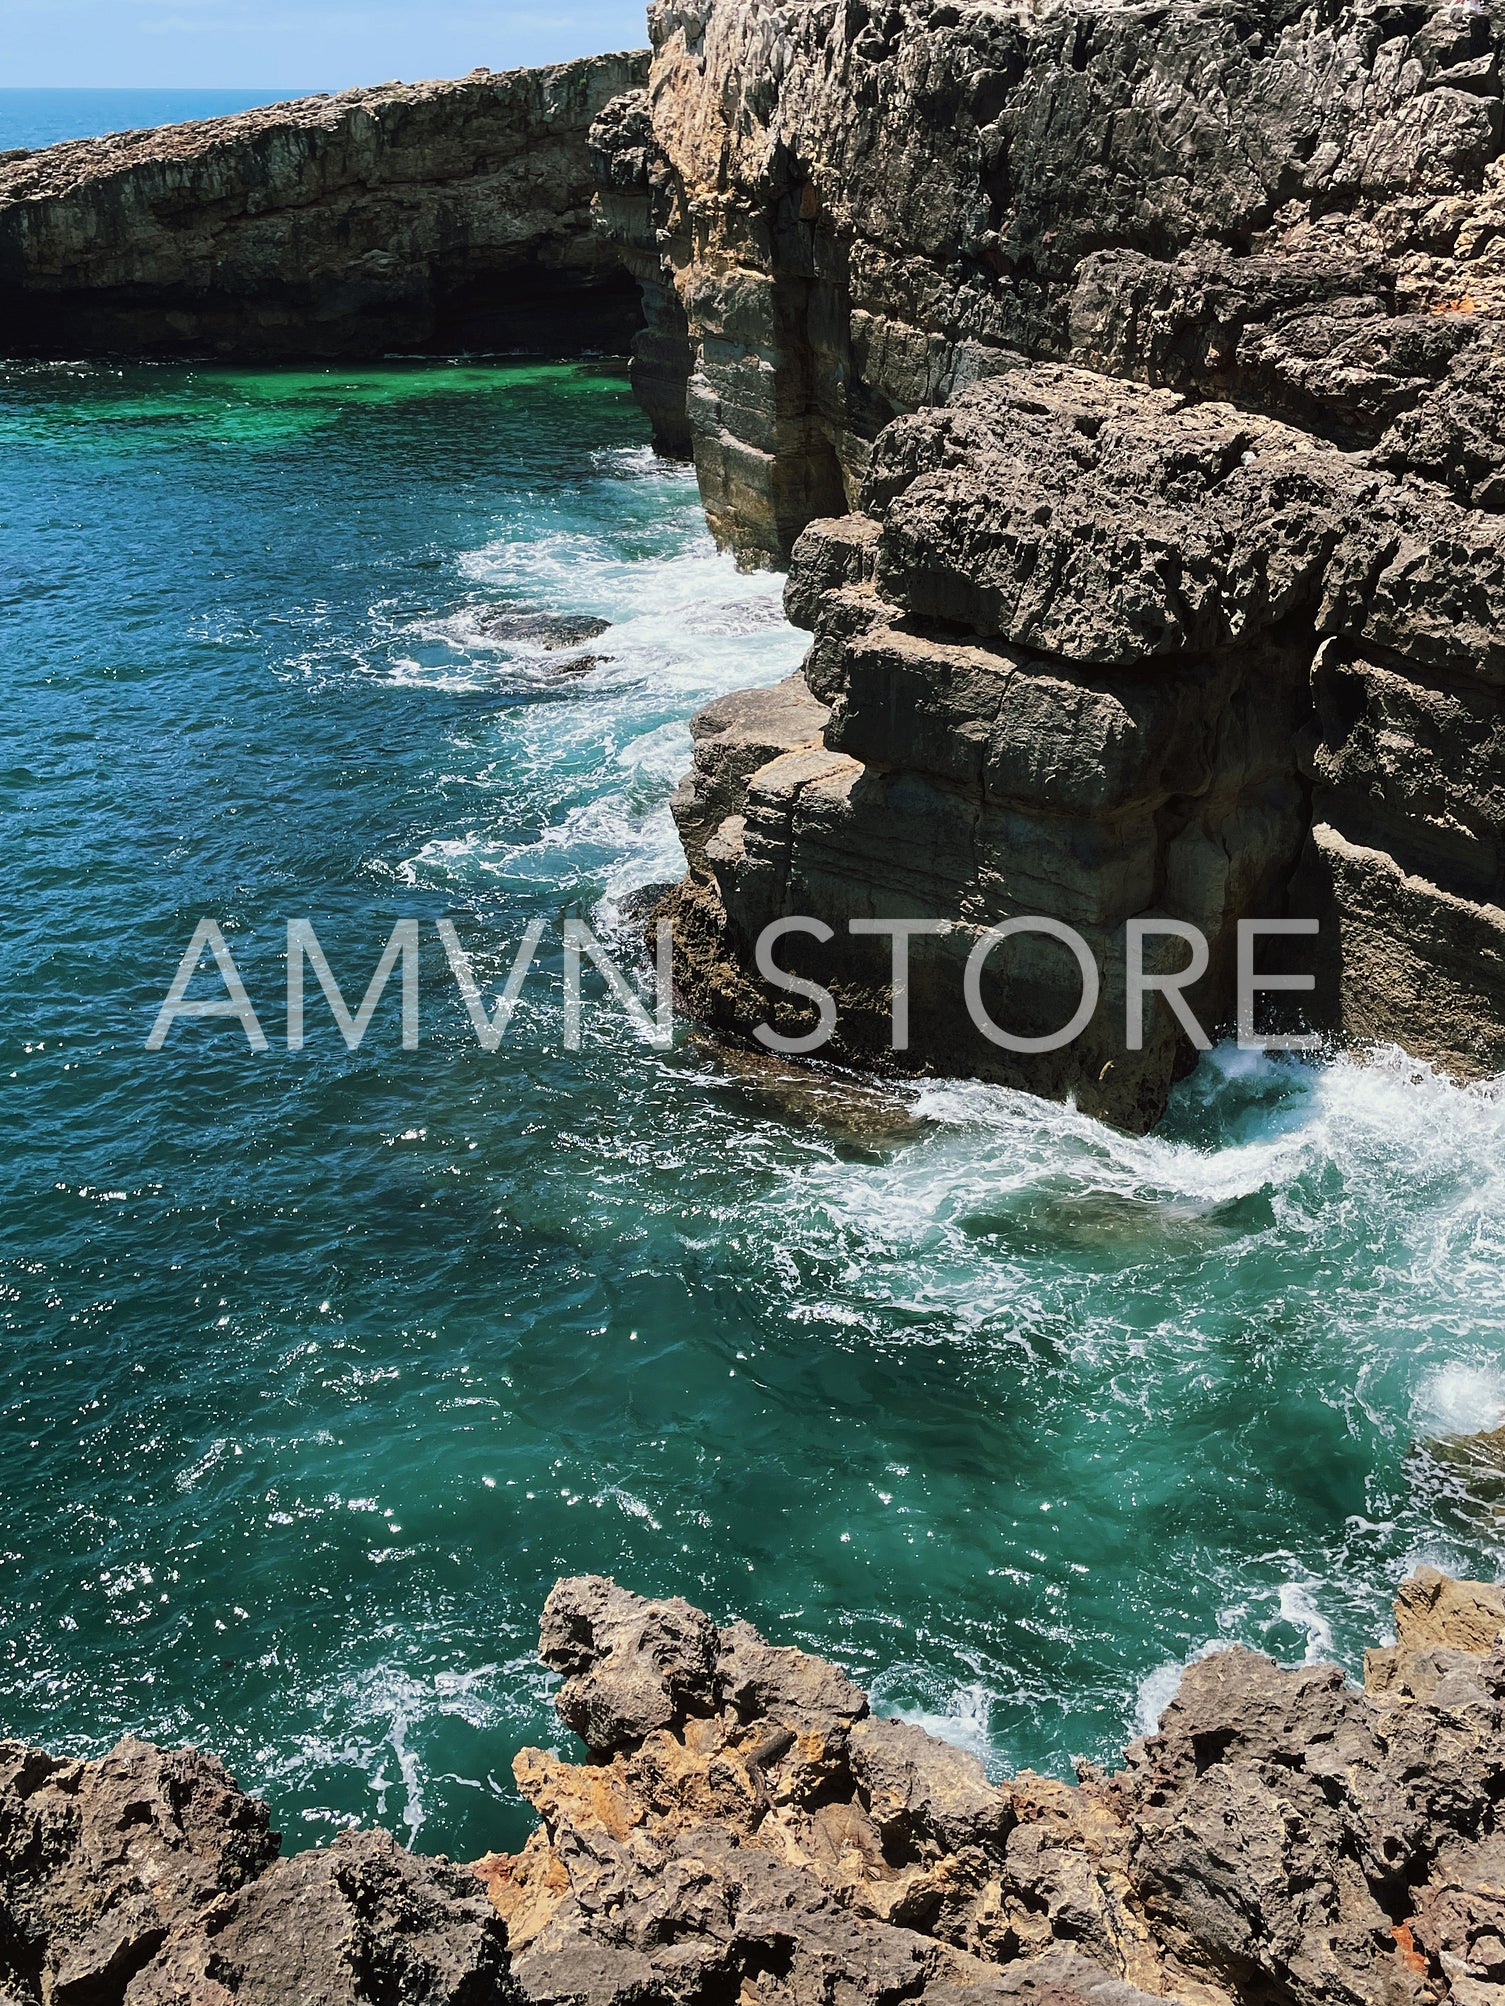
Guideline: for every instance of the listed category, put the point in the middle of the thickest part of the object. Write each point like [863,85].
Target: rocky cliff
[440,215]
[1127,385]
[745,1832]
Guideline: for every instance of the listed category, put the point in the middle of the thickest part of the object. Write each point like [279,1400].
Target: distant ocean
[42,118]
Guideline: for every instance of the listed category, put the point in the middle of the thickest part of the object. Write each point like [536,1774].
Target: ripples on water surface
[318,1369]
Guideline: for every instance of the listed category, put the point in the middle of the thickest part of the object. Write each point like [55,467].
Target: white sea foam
[1370,1188]
[603,750]
[965,1722]
[1431,1151]
[1298,1608]
[1156,1691]
[388,1711]
[1462,1398]
[1026,1137]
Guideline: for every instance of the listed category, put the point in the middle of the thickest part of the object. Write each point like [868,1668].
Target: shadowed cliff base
[744,1829]
[424,217]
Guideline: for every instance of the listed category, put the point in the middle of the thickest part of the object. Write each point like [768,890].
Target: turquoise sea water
[318,1368]
[33,118]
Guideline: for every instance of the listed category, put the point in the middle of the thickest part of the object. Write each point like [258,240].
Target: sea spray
[323,1370]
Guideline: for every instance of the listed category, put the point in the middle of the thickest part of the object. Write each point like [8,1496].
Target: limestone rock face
[1107,654]
[439,215]
[1282,1837]
[863,208]
[149,1879]
[1435,1610]
[1126,388]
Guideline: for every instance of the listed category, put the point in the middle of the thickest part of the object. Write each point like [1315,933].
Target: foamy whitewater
[322,1367]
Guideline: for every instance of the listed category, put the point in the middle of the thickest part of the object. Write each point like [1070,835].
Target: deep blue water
[317,1368]
[33,118]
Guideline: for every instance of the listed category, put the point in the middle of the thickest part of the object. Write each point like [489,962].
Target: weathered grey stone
[413,216]
[360,1923]
[1283,1837]
[1293,1833]
[1206,627]
[916,1788]
[100,1862]
[860,211]
[549,631]
[1056,661]
[149,1879]
[734,737]
[1432,1608]
[785,1688]
[1059,1978]
[629,1666]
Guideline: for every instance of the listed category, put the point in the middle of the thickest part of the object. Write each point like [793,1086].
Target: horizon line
[303,90]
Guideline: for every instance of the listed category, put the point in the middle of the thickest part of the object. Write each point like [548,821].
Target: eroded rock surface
[745,1829]
[149,1879]
[859,209]
[413,216]
[1111,655]
[1126,386]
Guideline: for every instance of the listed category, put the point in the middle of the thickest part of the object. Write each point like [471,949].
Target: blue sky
[293,44]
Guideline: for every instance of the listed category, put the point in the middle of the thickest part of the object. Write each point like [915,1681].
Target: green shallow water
[318,1368]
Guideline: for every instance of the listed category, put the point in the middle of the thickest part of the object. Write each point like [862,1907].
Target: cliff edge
[1126,385]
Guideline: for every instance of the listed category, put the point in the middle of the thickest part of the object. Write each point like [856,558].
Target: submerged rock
[745,1830]
[536,629]
[866,1115]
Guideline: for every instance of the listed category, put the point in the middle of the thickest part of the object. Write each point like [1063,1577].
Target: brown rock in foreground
[149,1878]
[744,1832]
[745,1829]
[413,216]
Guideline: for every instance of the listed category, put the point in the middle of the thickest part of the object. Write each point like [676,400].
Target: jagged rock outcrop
[149,1879]
[410,217]
[745,1829]
[1195,619]
[1107,654]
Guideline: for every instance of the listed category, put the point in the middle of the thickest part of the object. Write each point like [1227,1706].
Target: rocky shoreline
[1126,386]
[743,1829]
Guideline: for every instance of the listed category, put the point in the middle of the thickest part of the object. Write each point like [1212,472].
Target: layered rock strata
[862,208]
[1068,672]
[1108,654]
[410,217]
[745,1830]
